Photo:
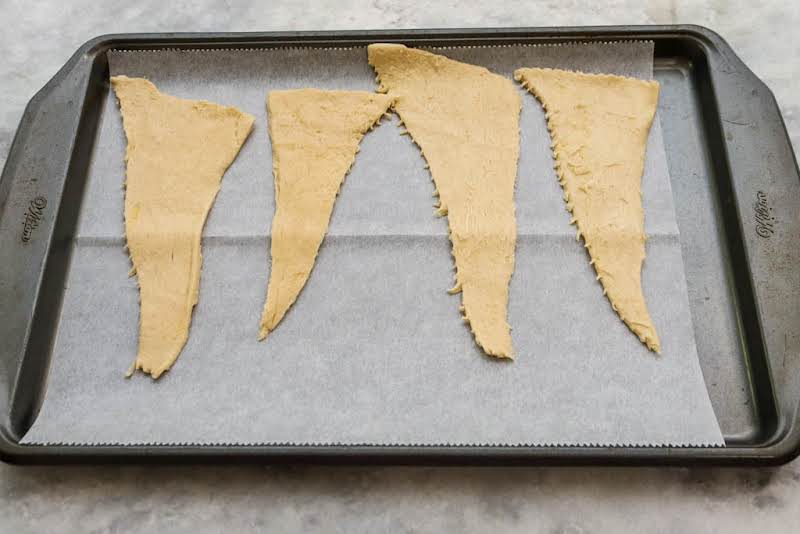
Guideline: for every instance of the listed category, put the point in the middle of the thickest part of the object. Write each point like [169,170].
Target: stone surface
[38,37]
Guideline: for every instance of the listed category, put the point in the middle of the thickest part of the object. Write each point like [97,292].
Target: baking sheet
[373,351]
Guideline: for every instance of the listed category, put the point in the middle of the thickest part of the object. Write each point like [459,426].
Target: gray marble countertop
[38,37]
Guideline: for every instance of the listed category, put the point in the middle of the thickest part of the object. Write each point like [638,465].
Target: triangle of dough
[177,152]
[465,120]
[315,136]
[599,126]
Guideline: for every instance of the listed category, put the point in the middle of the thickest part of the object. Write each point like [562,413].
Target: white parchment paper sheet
[374,350]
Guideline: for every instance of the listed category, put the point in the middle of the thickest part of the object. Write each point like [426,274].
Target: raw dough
[177,152]
[465,120]
[315,136]
[599,125]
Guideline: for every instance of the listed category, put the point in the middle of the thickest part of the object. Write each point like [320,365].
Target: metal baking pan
[737,195]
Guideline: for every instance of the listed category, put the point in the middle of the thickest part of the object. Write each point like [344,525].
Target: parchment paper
[374,350]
